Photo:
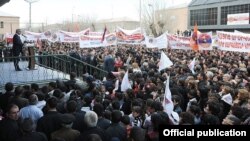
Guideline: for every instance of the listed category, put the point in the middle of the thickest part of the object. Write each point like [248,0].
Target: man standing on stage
[17,48]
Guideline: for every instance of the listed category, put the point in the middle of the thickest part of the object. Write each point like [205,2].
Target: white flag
[165,62]
[228,99]
[191,66]
[125,83]
[167,101]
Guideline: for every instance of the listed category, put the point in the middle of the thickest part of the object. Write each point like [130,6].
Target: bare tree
[87,21]
[153,16]
[81,23]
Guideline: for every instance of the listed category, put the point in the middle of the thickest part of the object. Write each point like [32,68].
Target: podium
[31,51]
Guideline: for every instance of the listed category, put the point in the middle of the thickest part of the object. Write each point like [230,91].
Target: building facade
[174,18]
[227,15]
[111,24]
[8,23]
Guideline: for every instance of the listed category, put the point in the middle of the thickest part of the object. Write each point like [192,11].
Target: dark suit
[9,130]
[33,136]
[92,61]
[17,49]
[49,123]
[115,130]
[67,134]
[109,63]
[93,130]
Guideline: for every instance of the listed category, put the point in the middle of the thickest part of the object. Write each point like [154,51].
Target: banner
[236,31]
[68,38]
[129,36]
[238,19]
[52,37]
[178,42]
[87,41]
[72,36]
[159,42]
[110,39]
[205,41]
[48,35]
[229,41]
[8,37]
[33,36]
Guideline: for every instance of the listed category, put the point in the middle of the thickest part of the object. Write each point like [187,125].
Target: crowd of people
[216,94]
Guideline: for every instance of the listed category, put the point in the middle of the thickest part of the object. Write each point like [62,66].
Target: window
[1,24]
[233,10]
[203,16]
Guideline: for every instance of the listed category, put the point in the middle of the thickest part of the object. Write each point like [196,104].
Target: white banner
[236,31]
[229,41]
[159,42]
[72,36]
[178,42]
[238,19]
[150,42]
[110,39]
[52,37]
[67,38]
[87,41]
[205,41]
[33,36]
[48,35]
[129,36]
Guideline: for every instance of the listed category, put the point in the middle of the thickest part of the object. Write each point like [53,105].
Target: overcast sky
[52,11]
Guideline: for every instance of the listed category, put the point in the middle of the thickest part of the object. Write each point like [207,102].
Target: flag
[125,83]
[191,66]
[204,41]
[228,99]
[165,62]
[104,32]
[193,42]
[167,101]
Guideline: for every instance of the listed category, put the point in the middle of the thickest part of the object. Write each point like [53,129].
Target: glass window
[203,16]
[233,10]
[1,24]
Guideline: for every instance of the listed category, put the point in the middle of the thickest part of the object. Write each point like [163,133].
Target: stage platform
[40,74]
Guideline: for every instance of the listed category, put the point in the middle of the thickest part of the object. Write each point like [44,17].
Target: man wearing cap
[66,132]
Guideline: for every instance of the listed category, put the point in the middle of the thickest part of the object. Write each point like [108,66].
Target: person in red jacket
[118,63]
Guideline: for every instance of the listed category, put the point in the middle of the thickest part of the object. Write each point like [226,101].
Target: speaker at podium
[31,56]
[31,51]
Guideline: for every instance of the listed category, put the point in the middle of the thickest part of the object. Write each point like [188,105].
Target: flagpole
[140,18]
[140,13]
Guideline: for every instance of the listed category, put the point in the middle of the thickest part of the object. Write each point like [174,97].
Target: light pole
[30,2]
[153,8]
[140,14]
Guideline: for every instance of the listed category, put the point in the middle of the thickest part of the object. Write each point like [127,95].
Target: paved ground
[8,73]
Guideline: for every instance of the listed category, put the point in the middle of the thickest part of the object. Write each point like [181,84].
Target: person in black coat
[49,122]
[9,129]
[28,132]
[17,48]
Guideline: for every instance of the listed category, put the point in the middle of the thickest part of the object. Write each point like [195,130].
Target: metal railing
[47,68]
[68,64]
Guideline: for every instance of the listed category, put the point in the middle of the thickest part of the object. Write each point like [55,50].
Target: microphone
[24,36]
